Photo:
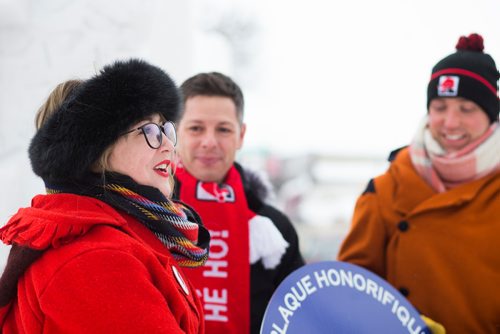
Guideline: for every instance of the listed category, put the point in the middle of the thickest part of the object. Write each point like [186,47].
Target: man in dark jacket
[254,246]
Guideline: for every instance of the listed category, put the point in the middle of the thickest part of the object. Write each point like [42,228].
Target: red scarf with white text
[223,283]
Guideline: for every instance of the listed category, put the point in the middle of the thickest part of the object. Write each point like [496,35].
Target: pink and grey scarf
[443,170]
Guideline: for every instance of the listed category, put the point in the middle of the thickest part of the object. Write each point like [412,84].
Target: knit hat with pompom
[469,73]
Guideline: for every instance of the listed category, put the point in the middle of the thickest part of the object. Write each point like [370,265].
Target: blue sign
[339,297]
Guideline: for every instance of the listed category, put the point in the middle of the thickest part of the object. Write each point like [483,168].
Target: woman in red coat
[102,252]
[430,225]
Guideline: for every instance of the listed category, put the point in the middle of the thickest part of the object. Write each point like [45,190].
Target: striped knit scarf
[176,225]
[444,171]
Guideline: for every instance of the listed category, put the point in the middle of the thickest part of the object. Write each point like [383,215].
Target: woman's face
[132,156]
[455,122]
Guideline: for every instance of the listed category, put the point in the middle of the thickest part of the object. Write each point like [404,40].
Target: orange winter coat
[441,250]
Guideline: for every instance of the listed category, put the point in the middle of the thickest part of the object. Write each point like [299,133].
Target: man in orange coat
[430,225]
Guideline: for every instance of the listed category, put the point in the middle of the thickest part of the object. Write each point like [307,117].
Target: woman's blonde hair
[55,100]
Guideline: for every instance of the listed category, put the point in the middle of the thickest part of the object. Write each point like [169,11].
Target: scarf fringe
[266,242]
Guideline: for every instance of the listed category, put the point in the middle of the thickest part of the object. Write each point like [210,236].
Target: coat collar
[420,192]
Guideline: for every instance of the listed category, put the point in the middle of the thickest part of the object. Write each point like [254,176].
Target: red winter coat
[102,272]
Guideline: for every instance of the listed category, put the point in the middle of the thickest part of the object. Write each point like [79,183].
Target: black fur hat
[96,114]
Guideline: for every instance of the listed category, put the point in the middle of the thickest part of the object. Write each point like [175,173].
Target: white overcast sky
[345,77]
[351,76]
[327,76]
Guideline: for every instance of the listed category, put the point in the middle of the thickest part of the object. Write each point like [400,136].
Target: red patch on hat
[448,85]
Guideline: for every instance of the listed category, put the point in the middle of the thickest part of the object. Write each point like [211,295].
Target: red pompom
[473,42]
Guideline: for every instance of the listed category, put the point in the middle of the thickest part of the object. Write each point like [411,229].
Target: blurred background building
[331,87]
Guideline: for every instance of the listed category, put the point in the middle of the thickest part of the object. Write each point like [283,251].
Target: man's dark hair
[214,84]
